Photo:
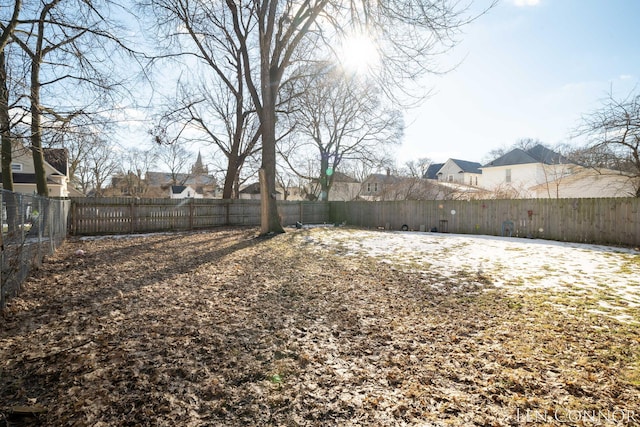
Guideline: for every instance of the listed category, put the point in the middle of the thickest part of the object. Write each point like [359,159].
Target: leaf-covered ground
[222,328]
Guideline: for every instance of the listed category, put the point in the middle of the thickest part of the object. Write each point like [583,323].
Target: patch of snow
[513,263]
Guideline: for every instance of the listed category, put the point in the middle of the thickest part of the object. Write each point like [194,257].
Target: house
[199,180]
[588,182]
[518,172]
[432,171]
[252,192]
[390,187]
[343,188]
[377,186]
[457,171]
[183,192]
[56,169]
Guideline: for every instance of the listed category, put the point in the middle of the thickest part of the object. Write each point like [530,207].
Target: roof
[163,178]
[466,166]
[28,178]
[252,189]
[340,177]
[177,189]
[343,177]
[57,157]
[537,154]
[382,177]
[432,171]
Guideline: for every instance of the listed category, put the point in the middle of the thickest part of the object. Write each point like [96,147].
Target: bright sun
[358,54]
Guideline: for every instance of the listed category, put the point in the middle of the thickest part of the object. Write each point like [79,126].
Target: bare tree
[96,169]
[7,24]
[613,133]
[269,35]
[70,50]
[220,116]
[176,159]
[417,168]
[340,117]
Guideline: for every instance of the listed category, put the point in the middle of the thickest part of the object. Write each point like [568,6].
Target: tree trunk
[7,173]
[270,222]
[324,178]
[36,131]
[230,178]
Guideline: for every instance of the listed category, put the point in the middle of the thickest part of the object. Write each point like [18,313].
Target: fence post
[133,216]
[191,209]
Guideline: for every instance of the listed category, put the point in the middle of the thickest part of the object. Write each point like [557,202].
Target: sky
[527,69]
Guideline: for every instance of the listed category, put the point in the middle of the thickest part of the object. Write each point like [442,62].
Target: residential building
[516,173]
[432,171]
[56,169]
[199,180]
[183,192]
[252,192]
[343,188]
[458,171]
[542,173]
[588,182]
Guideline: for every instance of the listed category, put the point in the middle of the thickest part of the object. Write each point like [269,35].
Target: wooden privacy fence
[125,215]
[603,221]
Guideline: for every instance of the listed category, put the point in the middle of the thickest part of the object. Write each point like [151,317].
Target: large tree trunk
[270,222]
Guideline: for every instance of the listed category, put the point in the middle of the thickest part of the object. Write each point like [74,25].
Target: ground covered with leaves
[223,328]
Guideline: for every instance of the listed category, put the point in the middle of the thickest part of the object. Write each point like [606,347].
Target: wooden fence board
[119,215]
[606,221]
[595,220]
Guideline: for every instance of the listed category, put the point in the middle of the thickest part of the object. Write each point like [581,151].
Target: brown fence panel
[597,220]
[120,215]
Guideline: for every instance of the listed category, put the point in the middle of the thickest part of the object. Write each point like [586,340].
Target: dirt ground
[222,328]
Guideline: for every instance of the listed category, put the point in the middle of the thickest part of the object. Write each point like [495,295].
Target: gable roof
[57,158]
[466,166]
[165,178]
[29,178]
[537,154]
[432,171]
[177,189]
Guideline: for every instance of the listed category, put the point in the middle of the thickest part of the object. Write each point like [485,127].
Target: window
[16,167]
[375,187]
[450,178]
[470,180]
[508,175]
[368,187]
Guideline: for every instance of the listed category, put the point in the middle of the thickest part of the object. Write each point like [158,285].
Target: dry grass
[223,328]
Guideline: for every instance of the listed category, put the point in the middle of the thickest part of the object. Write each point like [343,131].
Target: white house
[542,173]
[183,192]
[459,171]
[588,182]
[518,171]
[56,169]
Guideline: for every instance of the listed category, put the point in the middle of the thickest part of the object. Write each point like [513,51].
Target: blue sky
[530,69]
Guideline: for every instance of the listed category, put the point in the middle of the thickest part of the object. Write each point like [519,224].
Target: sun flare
[358,53]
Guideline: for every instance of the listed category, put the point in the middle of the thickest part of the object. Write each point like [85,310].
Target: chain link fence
[32,228]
